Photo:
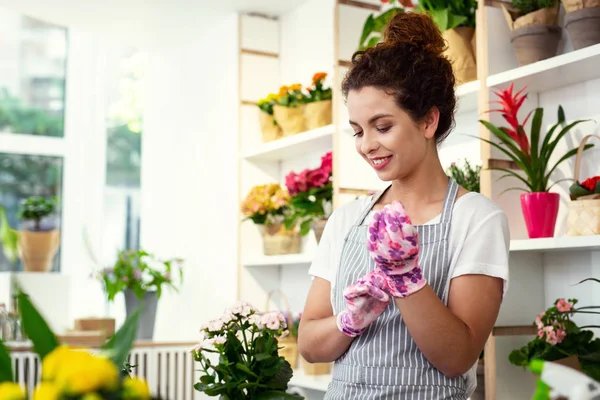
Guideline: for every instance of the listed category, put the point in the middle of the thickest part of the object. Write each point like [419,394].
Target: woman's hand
[365,301]
[394,246]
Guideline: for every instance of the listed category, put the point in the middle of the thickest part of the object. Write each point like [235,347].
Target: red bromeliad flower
[590,183]
[511,103]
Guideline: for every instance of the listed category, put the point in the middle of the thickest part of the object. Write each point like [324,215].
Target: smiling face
[386,136]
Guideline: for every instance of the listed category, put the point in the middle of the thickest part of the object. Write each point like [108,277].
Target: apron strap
[368,208]
[449,200]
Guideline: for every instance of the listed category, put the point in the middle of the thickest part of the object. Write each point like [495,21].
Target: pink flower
[318,178]
[137,274]
[560,335]
[538,321]
[563,306]
[297,183]
[550,335]
[327,163]
[541,333]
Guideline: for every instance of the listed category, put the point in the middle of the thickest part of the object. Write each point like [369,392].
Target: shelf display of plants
[289,109]
[318,109]
[267,206]
[532,155]
[582,22]
[535,32]
[311,192]
[455,19]
[269,128]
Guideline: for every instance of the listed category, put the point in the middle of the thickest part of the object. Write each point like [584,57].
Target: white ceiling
[143,22]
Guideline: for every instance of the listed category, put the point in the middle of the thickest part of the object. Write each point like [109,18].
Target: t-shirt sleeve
[485,249]
[322,264]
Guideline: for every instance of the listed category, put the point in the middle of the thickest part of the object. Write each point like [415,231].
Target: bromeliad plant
[558,337]
[246,362]
[141,272]
[73,374]
[532,158]
[466,175]
[311,193]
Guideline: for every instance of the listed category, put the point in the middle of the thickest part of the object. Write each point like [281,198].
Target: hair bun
[415,29]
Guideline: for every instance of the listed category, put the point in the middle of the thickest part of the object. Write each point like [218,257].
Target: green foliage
[8,237]
[140,272]
[450,14]
[19,118]
[119,345]
[292,96]
[588,187]
[529,6]
[308,206]
[374,28]
[466,176]
[317,92]
[35,208]
[6,372]
[35,327]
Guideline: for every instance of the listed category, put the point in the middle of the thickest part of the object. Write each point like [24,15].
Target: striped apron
[384,362]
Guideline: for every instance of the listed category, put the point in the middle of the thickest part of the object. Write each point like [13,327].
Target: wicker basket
[277,240]
[289,344]
[583,218]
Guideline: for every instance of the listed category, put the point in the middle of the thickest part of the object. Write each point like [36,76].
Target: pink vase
[539,211]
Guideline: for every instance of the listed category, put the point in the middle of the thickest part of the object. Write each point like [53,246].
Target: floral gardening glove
[393,244]
[365,301]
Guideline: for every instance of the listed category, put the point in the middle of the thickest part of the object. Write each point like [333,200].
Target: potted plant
[560,340]
[318,108]
[535,33]
[311,193]
[141,276]
[289,110]
[539,206]
[40,237]
[69,373]
[374,26]
[466,175]
[456,20]
[269,128]
[267,206]
[582,22]
[248,365]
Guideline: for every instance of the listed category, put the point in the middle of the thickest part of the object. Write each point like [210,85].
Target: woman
[407,284]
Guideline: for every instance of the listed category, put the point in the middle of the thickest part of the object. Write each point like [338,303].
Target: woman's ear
[430,123]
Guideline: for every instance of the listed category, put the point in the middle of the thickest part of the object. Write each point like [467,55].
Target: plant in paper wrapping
[291,96]
[588,189]
[268,125]
[318,109]
[559,338]
[466,175]
[238,356]
[311,192]
[73,374]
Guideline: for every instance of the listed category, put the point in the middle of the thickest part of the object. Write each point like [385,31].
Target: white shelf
[320,139]
[314,382]
[467,96]
[565,243]
[287,259]
[562,70]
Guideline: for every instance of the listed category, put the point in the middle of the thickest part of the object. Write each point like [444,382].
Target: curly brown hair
[410,65]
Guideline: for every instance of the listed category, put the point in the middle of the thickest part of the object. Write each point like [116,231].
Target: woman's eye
[357,133]
[383,129]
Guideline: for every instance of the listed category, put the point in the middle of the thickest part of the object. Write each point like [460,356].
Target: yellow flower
[52,362]
[46,391]
[283,90]
[296,86]
[92,396]
[136,389]
[11,391]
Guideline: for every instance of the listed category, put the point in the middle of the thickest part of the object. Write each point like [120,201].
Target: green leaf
[120,343]
[502,149]
[262,356]
[8,237]
[563,132]
[35,327]
[576,190]
[514,175]
[536,126]
[561,115]
[514,152]
[305,227]
[6,372]
[367,29]
[589,279]
[244,368]
[207,379]
[568,155]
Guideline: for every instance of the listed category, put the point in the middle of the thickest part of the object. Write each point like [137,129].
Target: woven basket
[288,346]
[277,240]
[268,127]
[290,119]
[318,114]
[583,218]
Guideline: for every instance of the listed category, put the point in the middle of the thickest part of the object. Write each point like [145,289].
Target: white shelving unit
[557,244]
[283,260]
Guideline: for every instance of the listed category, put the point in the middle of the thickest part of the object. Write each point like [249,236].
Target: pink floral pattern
[394,246]
[365,301]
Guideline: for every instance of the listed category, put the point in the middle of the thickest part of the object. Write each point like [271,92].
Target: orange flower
[319,76]
[296,86]
[283,90]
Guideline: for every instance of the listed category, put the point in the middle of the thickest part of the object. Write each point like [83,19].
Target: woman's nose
[369,143]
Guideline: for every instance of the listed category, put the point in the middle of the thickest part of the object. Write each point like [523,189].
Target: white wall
[188,175]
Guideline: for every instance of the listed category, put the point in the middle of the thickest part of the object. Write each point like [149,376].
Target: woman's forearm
[320,340]
[443,338]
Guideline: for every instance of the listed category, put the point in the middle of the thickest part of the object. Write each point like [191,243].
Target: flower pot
[460,52]
[540,210]
[319,226]
[37,249]
[290,119]
[533,43]
[268,127]
[318,114]
[148,315]
[278,241]
[583,27]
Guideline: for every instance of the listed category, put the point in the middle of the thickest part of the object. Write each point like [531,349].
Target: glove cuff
[343,324]
[406,284]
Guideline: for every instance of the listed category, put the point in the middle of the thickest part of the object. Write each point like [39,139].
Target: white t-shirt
[478,242]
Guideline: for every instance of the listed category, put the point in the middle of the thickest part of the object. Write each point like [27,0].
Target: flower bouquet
[268,206]
[466,175]
[268,126]
[312,194]
[540,208]
[559,339]
[289,110]
[73,374]
[318,109]
[238,356]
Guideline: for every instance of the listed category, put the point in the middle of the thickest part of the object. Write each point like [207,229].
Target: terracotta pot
[533,43]
[583,27]
[540,210]
[37,249]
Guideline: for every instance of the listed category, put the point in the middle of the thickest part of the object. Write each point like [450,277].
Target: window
[33,58]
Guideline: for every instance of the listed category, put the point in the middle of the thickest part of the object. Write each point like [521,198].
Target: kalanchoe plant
[466,176]
[35,209]
[248,364]
[590,188]
[317,92]
[533,159]
[141,272]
